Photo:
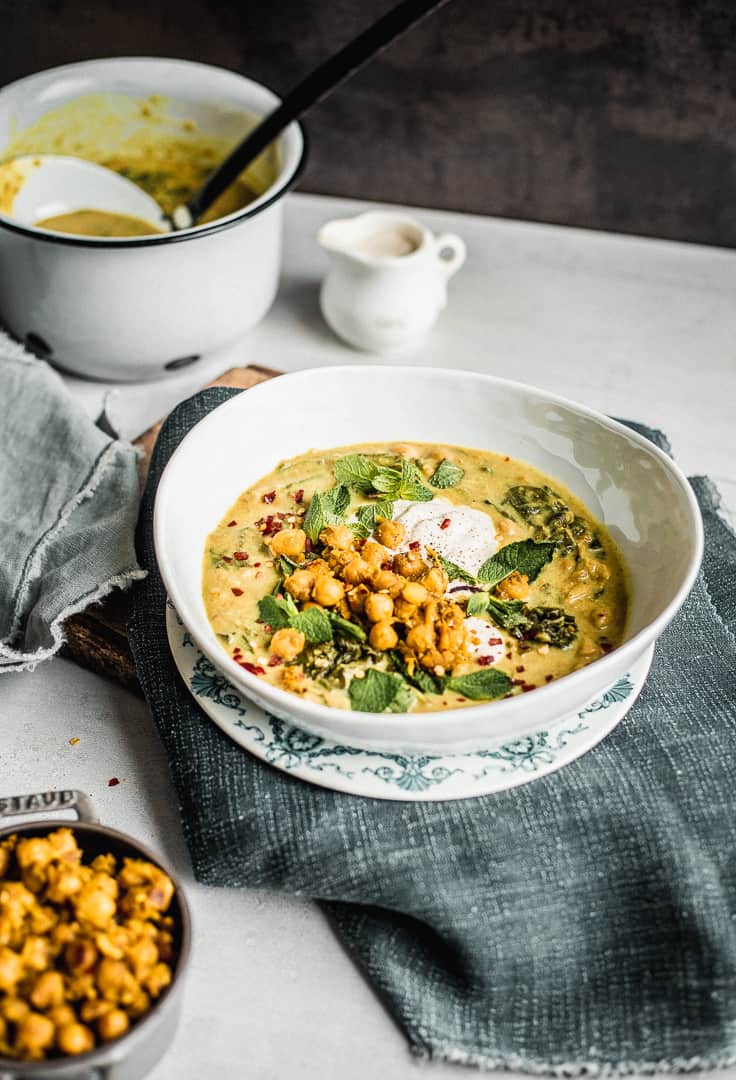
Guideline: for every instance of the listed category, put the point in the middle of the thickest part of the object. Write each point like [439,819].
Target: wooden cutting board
[97,638]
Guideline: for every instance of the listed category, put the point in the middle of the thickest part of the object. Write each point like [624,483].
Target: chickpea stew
[85,948]
[410,578]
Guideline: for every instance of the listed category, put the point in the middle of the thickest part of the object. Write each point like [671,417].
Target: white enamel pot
[135,308]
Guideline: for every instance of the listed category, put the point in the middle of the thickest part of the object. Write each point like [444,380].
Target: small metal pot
[134,1054]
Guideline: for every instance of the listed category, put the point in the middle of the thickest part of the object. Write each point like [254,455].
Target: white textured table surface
[637,328]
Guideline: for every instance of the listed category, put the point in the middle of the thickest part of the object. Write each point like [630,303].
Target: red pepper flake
[527,687]
[414,545]
[241,556]
[256,564]
[236,592]
[445,523]
[275,661]
[388,565]
[268,629]
[268,497]
[231,523]
[520,667]
[548,678]
[113,781]
[495,641]
[227,558]
[485,661]
[254,669]
[299,495]
[308,545]
[518,682]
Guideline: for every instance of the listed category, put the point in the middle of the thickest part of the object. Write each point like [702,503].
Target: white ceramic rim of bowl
[286,703]
[290,172]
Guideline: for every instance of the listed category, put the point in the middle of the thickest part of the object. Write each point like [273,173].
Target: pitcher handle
[51,801]
[451,253]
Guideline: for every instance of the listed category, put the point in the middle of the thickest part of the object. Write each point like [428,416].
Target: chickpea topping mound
[83,948]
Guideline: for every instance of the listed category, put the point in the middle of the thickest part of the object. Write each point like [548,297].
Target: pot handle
[51,801]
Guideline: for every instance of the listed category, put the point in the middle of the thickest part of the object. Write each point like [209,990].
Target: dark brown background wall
[615,115]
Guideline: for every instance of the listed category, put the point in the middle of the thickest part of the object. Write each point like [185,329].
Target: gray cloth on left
[68,507]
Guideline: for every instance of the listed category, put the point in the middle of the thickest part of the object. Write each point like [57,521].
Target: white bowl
[135,308]
[624,480]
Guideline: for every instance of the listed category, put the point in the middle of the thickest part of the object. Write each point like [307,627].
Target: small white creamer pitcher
[387,279]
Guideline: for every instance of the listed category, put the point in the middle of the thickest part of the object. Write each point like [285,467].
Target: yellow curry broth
[151,141]
[587,582]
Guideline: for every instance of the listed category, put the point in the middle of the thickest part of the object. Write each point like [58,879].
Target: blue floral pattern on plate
[381,773]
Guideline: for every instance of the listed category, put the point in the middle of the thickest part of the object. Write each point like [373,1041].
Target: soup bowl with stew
[624,482]
[137,307]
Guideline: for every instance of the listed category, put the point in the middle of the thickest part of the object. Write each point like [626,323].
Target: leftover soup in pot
[407,578]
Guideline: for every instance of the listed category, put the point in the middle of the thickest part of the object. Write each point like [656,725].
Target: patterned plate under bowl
[380,774]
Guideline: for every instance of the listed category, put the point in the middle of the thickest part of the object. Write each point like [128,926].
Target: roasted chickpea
[35,1033]
[383,636]
[157,979]
[328,591]
[14,1009]
[93,904]
[48,990]
[75,1039]
[357,571]
[11,969]
[410,564]
[378,607]
[289,542]
[80,956]
[414,593]
[391,533]
[435,581]
[287,643]
[374,553]
[299,584]
[420,638]
[514,587]
[112,1025]
[292,679]
[404,611]
[62,1015]
[386,581]
[337,536]
[356,598]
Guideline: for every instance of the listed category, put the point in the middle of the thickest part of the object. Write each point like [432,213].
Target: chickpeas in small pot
[79,945]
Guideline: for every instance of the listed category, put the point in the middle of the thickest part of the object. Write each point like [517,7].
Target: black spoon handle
[316,86]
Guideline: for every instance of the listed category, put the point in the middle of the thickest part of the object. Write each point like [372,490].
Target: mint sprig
[376,691]
[370,514]
[326,508]
[447,474]
[364,475]
[455,572]
[484,685]
[524,557]
[281,611]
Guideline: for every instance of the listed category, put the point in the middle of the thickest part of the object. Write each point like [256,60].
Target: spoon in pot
[124,197]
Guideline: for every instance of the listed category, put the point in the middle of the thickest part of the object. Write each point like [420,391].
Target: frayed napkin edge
[28,661]
[515,1063]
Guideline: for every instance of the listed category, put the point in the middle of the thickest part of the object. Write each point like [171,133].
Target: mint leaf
[370,515]
[403,700]
[481,685]
[344,626]
[314,623]
[375,692]
[336,501]
[360,529]
[524,556]
[455,572]
[387,481]
[325,508]
[356,471]
[446,475]
[412,484]
[287,566]
[477,604]
[274,612]
[420,677]
[508,614]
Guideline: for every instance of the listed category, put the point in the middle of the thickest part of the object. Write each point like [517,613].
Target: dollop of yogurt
[486,644]
[459,534]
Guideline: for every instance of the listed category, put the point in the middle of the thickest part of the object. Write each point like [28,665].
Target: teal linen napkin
[581,923]
[68,506]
